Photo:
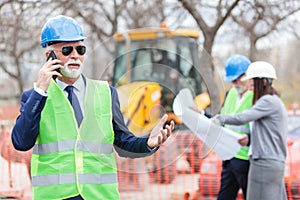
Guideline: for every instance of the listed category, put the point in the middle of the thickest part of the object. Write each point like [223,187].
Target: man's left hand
[159,134]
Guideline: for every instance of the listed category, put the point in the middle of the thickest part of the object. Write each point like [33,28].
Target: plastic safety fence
[171,173]
[181,169]
[210,173]
[292,169]
[210,177]
[14,169]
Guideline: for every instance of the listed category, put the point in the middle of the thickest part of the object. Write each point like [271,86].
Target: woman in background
[267,151]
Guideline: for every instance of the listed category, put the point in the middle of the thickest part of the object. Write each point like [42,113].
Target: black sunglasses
[69,49]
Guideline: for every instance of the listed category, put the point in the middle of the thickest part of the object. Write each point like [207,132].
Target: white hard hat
[260,69]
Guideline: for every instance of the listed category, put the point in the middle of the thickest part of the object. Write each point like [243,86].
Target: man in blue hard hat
[73,123]
[238,99]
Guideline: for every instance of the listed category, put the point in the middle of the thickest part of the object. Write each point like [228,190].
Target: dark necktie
[75,103]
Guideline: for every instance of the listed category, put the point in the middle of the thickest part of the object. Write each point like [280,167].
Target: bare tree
[222,10]
[260,18]
[141,14]
[105,18]
[100,16]
[293,24]
[291,77]
[18,37]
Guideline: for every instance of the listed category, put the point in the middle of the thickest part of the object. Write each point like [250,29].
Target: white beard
[72,73]
[240,89]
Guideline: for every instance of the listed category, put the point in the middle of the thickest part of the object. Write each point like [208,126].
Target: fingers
[160,125]
[54,70]
[163,136]
[165,133]
[159,140]
[172,125]
[170,128]
[163,120]
[159,134]
[217,119]
[52,65]
[47,72]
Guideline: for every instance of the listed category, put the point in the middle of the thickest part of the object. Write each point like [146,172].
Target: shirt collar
[78,85]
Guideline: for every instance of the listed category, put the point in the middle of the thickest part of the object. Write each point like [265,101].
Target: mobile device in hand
[53,56]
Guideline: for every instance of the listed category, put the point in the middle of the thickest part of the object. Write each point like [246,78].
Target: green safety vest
[68,161]
[230,107]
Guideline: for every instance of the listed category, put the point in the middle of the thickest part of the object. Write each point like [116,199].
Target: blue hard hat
[61,29]
[236,66]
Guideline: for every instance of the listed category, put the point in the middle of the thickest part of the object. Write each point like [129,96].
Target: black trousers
[234,176]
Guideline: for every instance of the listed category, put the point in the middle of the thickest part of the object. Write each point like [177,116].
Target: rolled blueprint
[222,141]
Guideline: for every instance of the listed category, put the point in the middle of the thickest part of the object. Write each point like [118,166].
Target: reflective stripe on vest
[67,145]
[68,161]
[231,107]
[57,179]
[239,128]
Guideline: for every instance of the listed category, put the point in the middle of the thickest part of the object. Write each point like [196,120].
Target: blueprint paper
[222,141]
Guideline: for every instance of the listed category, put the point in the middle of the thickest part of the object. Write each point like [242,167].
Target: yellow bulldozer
[150,68]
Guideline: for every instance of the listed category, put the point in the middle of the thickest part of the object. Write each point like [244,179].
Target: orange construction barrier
[14,168]
[170,173]
[292,169]
[132,174]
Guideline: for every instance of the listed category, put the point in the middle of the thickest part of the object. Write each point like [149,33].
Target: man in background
[238,99]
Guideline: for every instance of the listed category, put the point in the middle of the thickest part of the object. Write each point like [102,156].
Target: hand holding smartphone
[53,56]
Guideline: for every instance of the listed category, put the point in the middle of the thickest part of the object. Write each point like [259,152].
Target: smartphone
[53,56]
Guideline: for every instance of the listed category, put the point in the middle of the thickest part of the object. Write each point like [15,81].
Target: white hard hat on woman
[260,69]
